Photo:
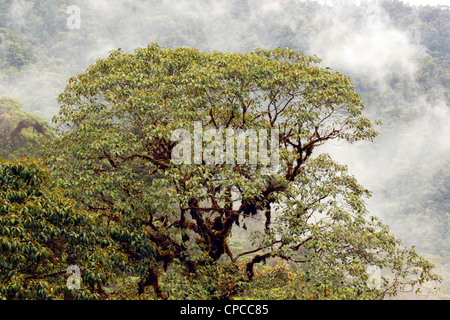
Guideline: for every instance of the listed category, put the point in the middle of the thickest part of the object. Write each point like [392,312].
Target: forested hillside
[22,134]
[396,55]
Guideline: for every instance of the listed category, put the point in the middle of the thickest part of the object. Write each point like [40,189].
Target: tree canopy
[42,233]
[22,134]
[113,154]
[38,52]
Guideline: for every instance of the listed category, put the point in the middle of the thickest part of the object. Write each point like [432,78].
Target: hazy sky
[430,2]
[411,2]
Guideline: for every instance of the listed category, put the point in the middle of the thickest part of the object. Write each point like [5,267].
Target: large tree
[114,155]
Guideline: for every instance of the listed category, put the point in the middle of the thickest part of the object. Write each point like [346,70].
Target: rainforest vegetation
[87,177]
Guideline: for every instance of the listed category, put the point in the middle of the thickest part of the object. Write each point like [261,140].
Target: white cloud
[427,2]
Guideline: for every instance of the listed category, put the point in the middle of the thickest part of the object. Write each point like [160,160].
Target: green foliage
[38,52]
[41,234]
[22,134]
[15,53]
[279,281]
[325,214]
[175,221]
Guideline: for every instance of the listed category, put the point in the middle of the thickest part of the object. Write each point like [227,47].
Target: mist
[355,38]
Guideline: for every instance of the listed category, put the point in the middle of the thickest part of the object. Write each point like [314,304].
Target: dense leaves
[38,52]
[114,155]
[42,233]
[22,134]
